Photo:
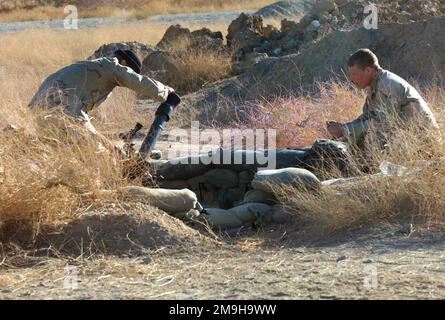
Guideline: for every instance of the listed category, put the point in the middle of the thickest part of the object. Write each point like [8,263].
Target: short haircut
[363,58]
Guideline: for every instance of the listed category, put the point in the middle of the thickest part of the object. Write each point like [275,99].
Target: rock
[222,178]
[202,39]
[245,32]
[270,180]
[315,24]
[107,50]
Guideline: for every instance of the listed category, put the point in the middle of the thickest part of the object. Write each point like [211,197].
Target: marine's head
[363,66]
[130,59]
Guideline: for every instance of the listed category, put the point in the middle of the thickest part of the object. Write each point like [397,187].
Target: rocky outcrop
[402,48]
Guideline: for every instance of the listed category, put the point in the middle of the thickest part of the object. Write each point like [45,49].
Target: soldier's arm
[126,77]
[358,127]
[383,106]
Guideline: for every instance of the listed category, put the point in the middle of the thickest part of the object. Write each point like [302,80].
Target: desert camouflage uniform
[82,86]
[390,100]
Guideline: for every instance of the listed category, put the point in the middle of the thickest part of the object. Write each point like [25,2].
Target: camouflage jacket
[84,85]
[389,97]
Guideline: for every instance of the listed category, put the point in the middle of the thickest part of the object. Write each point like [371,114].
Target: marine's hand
[336,129]
[167,91]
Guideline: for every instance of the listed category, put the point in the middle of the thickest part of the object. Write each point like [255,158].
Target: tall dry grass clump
[197,66]
[52,168]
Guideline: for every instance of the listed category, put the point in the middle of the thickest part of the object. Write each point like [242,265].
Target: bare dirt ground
[379,263]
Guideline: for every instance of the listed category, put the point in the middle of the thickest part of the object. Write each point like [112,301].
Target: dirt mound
[402,48]
[108,50]
[188,59]
[113,229]
[256,41]
[283,9]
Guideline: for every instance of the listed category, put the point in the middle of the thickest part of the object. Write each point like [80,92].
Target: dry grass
[417,196]
[48,167]
[196,66]
[139,9]
[300,120]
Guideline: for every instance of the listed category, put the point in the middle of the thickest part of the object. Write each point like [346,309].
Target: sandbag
[237,193]
[246,214]
[245,177]
[195,182]
[220,218]
[171,201]
[259,196]
[270,180]
[174,184]
[250,213]
[182,168]
[222,178]
[225,200]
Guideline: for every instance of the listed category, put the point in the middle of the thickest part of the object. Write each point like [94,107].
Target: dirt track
[205,18]
[384,265]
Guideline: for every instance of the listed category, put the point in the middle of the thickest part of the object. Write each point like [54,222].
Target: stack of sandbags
[271,181]
[217,181]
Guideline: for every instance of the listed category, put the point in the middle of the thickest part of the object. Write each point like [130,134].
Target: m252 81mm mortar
[137,165]
[162,116]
